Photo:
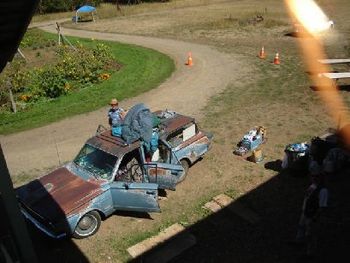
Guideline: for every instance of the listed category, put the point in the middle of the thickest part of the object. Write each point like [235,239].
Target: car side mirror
[126,186]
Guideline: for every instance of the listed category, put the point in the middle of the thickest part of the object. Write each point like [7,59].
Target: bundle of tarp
[138,125]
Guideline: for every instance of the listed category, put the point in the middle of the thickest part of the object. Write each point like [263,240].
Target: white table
[336,76]
[335,61]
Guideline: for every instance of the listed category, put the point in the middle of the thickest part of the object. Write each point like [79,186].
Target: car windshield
[96,161]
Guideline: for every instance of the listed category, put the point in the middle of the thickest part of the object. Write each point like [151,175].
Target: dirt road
[186,91]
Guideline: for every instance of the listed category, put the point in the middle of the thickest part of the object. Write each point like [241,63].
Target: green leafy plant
[76,68]
[14,76]
[84,65]
[52,82]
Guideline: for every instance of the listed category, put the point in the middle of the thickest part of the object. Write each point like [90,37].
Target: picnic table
[335,75]
[335,61]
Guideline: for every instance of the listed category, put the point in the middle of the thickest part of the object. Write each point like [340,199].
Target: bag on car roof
[138,124]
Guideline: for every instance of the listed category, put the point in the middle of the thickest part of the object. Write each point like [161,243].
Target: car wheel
[87,225]
[185,165]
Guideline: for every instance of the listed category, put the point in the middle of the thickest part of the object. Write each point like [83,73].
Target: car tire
[185,165]
[87,225]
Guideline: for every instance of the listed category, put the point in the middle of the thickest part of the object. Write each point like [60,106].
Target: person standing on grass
[115,117]
[313,209]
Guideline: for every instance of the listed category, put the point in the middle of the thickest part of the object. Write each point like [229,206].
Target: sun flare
[314,21]
[310,15]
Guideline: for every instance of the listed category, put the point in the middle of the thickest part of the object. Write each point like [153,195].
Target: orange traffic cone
[262,53]
[276,60]
[189,59]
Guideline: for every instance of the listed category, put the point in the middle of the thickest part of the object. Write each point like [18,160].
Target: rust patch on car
[157,171]
[112,144]
[66,192]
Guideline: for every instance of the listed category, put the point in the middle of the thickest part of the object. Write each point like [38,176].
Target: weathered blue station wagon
[109,175]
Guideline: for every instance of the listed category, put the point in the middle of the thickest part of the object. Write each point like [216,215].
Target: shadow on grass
[226,236]
[316,73]
[340,87]
[143,215]
[274,165]
[296,35]
[344,87]
[291,34]
[51,250]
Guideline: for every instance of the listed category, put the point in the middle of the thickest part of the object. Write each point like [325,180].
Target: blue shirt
[114,117]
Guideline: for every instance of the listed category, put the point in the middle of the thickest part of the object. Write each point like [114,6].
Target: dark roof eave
[14,27]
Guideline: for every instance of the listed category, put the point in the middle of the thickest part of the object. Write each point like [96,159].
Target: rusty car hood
[57,194]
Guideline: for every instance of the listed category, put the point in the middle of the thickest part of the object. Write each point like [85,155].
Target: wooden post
[66,40]
[61,36]
[20,52]
[119,9]
[13,103]
[59,33]
[18,227]
[118,6]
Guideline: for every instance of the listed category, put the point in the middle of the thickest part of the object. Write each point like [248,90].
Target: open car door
[164,174]
[140,197]
[166,171]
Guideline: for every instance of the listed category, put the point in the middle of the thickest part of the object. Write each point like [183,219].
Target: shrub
[76,68]
[17,76]
[3,99]
[83,65]
[51,82]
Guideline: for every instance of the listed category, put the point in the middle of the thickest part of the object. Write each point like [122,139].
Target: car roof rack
[105,134]
[112,139]
[100,129]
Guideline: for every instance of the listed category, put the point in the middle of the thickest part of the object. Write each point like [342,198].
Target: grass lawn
[142,69]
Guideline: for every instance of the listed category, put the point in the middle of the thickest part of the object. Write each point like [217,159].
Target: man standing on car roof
[115,117]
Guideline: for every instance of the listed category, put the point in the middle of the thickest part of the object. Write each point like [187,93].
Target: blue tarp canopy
[86,9]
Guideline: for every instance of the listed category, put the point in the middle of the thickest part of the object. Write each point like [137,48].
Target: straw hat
[114,102]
